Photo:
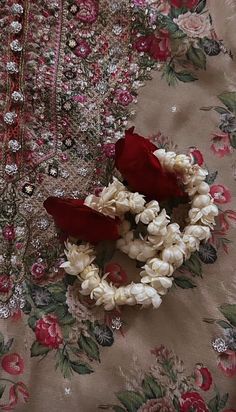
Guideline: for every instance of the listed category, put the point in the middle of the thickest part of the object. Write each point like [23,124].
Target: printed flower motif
[109,150]
[116,274]
[13,364]
[194,24]
[221,194]
[221,145]
[196,156]
[88,10]
[6,284]
[82,49]
[158,47]
[163,7]
[80,221]
[140,167]
[190,4]
[203,378]
[227,363]
[124,97]
[37,270]
[192,401]
[18,389]
[156,405]
[9,232]
[48,331]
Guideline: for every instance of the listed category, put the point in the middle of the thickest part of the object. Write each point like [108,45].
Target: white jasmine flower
[167,159]
[157,267]
[174,255]
[200,232]
[78,258]
[158,225]
[149,213]
[104,294]
[145,295]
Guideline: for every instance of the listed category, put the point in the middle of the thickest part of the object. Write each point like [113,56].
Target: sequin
[17,96]
[12,67]
[219,345]
[14,145]
[17,9]
[16,46]
[10,117]
[11,169]
[15,26]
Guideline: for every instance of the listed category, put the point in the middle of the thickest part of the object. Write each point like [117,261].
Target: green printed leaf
[90,347]
[211,177]
[229,100]
[81,368]
[151,388]
[223,324]
[197,57]
[184,283]
[233,140]
[32,321]
[200,7]
[131,400]
[224,400]
[104,252]
[38,350]
[229,312]
[185,77]
[194,265]
[118,408]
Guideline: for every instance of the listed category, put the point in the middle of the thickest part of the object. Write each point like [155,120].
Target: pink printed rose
[38,270]
[227,363]
[196,155]
[13,364]
[203,378]
[192,401]
[221,194]
[82,49]
[8,232]
[48,331]
[88,10]
[124,97]
[194,24]
[221,145]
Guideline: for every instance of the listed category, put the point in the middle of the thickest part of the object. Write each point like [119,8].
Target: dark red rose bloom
[13,364]
[80,221]
[142,170]
[158,47]
[190,4]
[203,378]
[192,401]
[48,331]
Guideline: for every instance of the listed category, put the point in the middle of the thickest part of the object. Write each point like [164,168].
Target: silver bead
[15,27]
[14,145]
[17,9]
[10,117]
[11,169]
[16,46]
[17,97]
[219,345]
[12,67]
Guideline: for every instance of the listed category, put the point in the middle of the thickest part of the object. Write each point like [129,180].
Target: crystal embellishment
[14,145]
[11,169]
[12,67]
[9,117]
[16,46]
[15,27]
[17,9]
[219,345]
[17,97]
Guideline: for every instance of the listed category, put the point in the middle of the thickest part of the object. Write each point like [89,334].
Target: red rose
[203,378]
[116,274]
[140,167]
[80,221]
[196,155]
[13,364]
[158,47]
[190,4]
[83,49]
[192,401]
[48,332]
[88,11]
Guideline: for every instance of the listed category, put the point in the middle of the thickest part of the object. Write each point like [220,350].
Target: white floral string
[162,249]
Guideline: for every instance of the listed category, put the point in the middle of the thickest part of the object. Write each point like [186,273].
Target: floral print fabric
[65,99]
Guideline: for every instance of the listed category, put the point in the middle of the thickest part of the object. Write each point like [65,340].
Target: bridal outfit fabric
[74,75]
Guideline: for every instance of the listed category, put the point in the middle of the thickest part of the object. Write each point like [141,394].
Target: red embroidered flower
[158,47]
[9,232]
[48,332]
[80,221]
[197,156]
[5,285]
[227,363]
[109,150]
[142,170]
[203,378]
[88,11]
[192,401]
[13,364]
[190,4]
[38,270]
[124,97]
[221,194]
[18,389]
[82,49]
[221,145]
[116,274]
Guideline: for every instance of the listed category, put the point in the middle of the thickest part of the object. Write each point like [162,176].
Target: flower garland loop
[162,249]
